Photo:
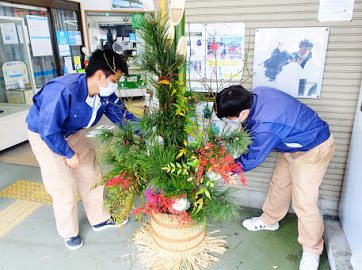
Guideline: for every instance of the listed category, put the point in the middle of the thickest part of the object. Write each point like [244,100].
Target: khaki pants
[61,181]
[297,177]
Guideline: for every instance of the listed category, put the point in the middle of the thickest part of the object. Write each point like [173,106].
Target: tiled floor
[28,237]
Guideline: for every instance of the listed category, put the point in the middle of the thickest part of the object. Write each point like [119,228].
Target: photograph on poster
[195,53]
[129,4]
[206,116]
[225,50]
[204,109]
[291,59]
[195,67]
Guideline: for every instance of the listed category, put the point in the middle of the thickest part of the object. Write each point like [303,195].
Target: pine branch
[222,206]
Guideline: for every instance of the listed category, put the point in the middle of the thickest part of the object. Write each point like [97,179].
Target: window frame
[51,5]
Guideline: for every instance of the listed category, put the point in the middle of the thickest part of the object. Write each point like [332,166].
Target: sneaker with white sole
[107,224]
[255,224]
[309,262]
[73,242]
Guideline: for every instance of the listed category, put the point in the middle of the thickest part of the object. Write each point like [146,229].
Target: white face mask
[109,90]
[302,56]
[237,121]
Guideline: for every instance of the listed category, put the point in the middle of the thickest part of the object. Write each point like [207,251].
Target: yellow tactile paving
[135,107]
[30,195]
[30,191]
[18,189]
[15,213]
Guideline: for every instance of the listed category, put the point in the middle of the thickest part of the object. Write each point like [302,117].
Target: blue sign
[71,37]
[63,43]
[132,37]
[75,38]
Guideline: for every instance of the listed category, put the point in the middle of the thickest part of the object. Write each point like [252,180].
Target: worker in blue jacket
[57,123]
[278,121]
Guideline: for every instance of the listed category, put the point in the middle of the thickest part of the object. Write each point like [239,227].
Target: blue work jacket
[60,109]
[279,121]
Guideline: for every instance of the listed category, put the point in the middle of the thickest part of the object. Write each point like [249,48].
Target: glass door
[17,83]
[39,33]
[69,40]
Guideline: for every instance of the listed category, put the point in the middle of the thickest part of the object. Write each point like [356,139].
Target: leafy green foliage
[222,206]
[174,165]
[158,57]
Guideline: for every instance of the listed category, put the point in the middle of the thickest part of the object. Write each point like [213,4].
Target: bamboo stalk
[177,13]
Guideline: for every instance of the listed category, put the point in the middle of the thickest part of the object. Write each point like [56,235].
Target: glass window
[69,39]
[16,81]
[105,29]
[117,31]
[44,67]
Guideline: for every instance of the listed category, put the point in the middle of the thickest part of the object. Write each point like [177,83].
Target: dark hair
[232,101]
[306,43]
[108,61]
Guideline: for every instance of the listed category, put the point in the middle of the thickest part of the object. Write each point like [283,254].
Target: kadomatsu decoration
[179,167]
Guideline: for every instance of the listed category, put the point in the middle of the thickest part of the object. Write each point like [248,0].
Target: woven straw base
[157,258]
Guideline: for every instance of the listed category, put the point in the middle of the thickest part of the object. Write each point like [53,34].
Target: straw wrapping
[164,244]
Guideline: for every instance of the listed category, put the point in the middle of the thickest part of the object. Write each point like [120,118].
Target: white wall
[91,5]
[96,4]
[341,80]
[351,200]
[104,5]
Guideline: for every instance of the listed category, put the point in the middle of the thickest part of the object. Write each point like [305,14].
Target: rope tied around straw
[163,244]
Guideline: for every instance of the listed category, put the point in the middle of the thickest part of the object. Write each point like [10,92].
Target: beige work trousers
[61,181]
[297,177]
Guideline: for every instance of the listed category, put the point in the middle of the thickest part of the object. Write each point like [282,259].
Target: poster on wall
[8,33]
[68,63]
[291,59]
[195,53]
[215,54]
[39,35]
[77,62]
[15,75]
[225,51]
[127,4]
[148,5]
[335,10]
[75,38]
[63,43]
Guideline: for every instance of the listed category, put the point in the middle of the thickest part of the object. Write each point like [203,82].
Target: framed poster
[215,55]
[127,4]
[291,59]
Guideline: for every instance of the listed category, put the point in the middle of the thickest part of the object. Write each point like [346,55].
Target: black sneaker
[73,242]
[107,224]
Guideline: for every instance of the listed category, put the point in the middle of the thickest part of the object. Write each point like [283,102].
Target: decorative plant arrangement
[177,164]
